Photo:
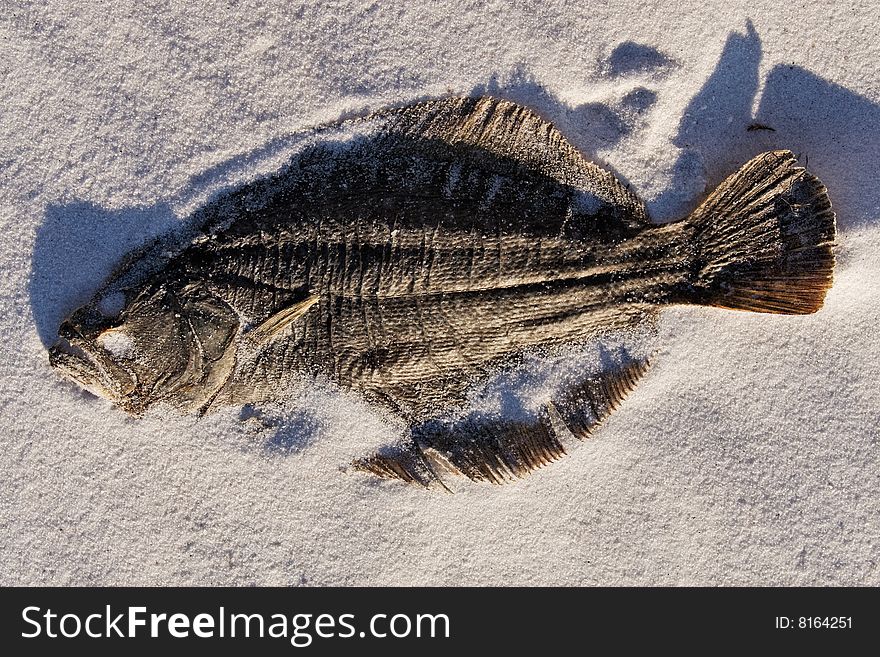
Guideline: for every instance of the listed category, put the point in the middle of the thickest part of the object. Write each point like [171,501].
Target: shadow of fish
[406,254]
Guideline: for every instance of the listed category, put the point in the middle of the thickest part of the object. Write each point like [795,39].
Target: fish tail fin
[763,240]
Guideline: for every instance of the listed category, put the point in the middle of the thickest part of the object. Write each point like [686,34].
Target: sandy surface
[750,453]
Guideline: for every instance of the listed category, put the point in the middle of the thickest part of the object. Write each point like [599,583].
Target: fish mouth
[72,356]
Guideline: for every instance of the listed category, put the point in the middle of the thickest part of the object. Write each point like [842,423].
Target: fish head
[139,348]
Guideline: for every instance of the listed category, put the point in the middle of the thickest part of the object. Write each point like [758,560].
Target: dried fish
[409,253]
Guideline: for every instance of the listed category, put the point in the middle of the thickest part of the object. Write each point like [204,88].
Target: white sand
[749,455]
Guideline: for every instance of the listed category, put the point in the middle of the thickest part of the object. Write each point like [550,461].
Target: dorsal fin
[507,129]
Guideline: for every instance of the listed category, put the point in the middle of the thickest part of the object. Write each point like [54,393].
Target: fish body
[409,253]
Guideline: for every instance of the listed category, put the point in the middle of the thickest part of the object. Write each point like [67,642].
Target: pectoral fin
[499,450]
[275,325]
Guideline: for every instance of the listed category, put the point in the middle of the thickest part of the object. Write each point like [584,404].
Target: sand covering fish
[410,253]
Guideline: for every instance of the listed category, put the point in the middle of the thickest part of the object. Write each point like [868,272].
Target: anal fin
[499,450]
[488,449]
[584,407]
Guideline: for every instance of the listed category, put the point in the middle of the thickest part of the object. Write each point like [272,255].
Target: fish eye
[117,342]
[112,304]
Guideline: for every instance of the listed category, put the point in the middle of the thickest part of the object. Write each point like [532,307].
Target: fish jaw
[72,356]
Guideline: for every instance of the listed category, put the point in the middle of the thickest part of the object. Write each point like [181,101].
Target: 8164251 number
[814,622]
